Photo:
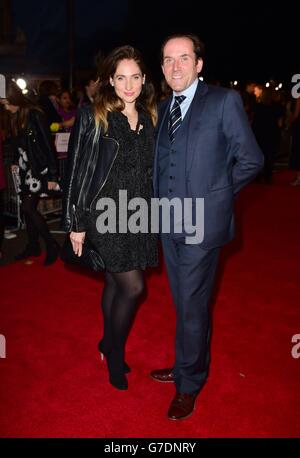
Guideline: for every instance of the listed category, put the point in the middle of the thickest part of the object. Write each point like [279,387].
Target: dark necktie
[175,119]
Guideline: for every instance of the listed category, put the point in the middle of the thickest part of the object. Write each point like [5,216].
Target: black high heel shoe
[103,354]
[115,366]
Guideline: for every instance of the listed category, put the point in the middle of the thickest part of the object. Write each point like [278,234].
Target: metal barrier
[11,199]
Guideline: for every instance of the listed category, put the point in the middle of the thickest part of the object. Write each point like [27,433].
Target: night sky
[242,41]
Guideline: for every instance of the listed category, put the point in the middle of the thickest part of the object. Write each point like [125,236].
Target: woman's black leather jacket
[91,156]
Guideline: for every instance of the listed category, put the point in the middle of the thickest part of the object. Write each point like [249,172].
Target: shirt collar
[189,92]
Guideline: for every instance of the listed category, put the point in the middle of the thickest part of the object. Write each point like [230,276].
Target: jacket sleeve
[72,218]
[243,146]
[48,148]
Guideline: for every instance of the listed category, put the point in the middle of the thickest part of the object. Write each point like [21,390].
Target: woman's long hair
[19,119]
[106,100]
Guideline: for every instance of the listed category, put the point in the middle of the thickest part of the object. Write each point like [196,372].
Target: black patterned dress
[132,171]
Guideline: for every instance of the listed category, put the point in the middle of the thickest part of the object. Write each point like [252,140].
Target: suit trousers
[191,272]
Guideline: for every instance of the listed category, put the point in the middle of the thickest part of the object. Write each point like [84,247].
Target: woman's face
[128,80]
[8,106]
[65,100]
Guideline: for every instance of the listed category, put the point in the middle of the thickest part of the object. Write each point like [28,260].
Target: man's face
[258,92]
[180,66]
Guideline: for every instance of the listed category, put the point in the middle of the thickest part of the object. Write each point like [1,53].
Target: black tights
[35,223]
[119,306]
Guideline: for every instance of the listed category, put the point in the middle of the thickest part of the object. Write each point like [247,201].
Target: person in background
[266,127]
[121,125]
[249,99]
[34,160]
[47,100]
[89,85]
[66,110]
[165,90]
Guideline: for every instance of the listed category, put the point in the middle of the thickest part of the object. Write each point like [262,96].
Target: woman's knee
[135,289]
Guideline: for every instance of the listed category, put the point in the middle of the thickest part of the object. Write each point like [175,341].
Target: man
[205,149]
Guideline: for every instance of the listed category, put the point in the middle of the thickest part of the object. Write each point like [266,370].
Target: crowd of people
[274,117]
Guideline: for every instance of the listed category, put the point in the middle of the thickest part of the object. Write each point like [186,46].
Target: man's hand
[52,185]
[77,240]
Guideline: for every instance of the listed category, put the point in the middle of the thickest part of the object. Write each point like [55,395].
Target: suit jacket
[222,156]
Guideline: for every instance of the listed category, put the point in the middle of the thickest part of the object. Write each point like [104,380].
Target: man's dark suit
[213,156]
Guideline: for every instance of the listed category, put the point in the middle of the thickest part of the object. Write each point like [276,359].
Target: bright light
[201,78]
[267,84]
[235,83]
[21,83]
[24,91]
[280,85]
[276,88]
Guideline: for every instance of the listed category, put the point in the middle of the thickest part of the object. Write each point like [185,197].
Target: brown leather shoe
[182,406]
[163,375]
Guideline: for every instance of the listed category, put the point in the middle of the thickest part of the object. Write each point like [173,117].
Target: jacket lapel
[163,110]
[196,116]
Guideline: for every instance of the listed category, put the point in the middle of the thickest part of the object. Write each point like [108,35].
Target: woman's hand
[52,185]
[77,240]
[69,122]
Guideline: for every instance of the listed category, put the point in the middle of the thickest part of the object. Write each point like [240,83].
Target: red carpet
[54,385]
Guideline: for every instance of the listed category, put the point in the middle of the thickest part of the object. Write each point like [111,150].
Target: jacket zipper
[107,175]
[74,207]
[75,217]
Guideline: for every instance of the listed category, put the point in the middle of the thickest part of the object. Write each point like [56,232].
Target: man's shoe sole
[181,418]
[161,381]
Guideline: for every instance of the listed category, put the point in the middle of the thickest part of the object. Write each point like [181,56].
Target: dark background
[244,40]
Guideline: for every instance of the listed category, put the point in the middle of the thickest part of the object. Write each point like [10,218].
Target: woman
[34,159]
[121,124]
[66,110]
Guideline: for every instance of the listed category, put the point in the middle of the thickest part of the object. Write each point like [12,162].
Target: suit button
[171,178]
[172,164]
[170,190]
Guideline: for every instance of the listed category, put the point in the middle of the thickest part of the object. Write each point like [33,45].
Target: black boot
[30,250]
[104,352]
[115,364]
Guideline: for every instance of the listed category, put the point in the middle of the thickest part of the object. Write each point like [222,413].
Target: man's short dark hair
[198,45]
